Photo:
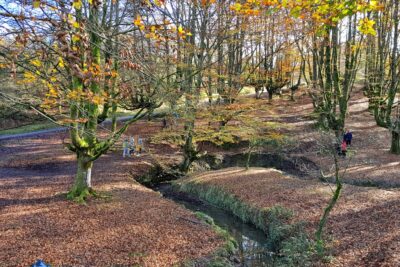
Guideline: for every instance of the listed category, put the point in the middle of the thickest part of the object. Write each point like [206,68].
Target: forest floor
[137,226]
[131,226]
[368,162]
[364,227]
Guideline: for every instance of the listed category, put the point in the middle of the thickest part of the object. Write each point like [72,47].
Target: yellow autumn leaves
[321,12]
[152,30]
[139,23]
[366,26]
[77,4]
[89,97]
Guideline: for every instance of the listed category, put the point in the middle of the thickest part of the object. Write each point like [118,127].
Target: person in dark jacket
[348,136]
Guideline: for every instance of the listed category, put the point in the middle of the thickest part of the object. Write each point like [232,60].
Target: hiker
[125,147]
[139,146]
[131,146]
[347,137]
[343,148]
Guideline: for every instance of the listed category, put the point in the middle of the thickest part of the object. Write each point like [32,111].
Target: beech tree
[332,81]
[73,49]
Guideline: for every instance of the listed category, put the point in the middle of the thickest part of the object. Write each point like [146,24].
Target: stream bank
[261,233]
[298,166]
[252,243]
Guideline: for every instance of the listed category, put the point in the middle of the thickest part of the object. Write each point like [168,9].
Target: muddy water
[253,251]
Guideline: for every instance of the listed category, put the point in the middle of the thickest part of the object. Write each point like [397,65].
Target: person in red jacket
[344,148]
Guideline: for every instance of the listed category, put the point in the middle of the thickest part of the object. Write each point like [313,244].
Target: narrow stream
[252,242]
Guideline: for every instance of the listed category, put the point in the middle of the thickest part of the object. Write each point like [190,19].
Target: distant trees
[94,56]
[336,52]
[382,70]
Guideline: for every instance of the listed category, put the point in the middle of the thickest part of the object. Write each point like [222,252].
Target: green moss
[230,243]
[285,238]
[221,257]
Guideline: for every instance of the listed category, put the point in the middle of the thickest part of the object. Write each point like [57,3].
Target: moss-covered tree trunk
[82,184]
[84,135]
[190,153]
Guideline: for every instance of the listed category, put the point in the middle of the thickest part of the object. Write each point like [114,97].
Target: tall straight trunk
[191,93]
[114,117]
[395,145]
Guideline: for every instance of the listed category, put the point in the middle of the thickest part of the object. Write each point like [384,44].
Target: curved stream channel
[252,242]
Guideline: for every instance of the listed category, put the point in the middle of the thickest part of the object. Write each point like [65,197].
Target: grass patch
[29,128]
[285,238]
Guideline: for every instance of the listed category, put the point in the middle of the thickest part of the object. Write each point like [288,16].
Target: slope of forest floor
[368,163]
[132,225]
[136,226]
[363,228]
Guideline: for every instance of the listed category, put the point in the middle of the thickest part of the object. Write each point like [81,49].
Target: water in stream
[252,242]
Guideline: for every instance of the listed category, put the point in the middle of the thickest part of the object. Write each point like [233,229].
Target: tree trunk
[114,118]
[89,177]
[395,147]
[270,94]
[82,185]
[185,165]
[248,157]
[328,209]
[190,153]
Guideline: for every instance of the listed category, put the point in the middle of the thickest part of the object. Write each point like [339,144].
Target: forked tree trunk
[190,153]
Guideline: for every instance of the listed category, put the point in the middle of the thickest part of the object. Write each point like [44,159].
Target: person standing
[348,136]
[131,146]
[125,148]
[344,148]
[139,146]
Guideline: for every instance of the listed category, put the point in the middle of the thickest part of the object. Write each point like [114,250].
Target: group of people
[346,141]
[129,147]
